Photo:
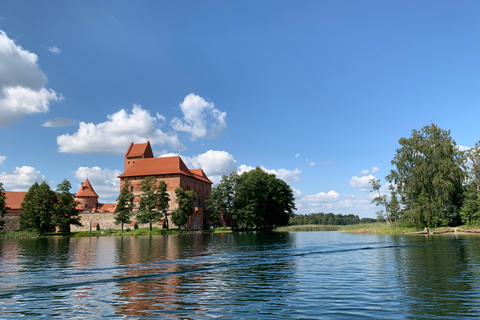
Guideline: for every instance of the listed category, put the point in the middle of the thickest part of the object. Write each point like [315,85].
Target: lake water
[307,275]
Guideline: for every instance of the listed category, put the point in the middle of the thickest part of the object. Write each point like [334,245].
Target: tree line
[328,219]
[432,183]
[252,200]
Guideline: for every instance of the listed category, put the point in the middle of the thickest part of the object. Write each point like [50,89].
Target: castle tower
[87,197]
[136,152]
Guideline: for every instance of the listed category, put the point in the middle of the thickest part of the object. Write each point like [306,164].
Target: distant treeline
[327,219]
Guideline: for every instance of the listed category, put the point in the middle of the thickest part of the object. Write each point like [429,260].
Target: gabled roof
[14,199]
[86,190]
[159,166]
[139,149]
[200,174]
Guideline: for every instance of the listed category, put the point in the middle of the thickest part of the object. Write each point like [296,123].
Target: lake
[307,275]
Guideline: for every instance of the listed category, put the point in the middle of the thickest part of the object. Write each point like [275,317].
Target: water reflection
[438,275]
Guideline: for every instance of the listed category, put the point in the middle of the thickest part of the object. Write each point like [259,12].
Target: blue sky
[318,92]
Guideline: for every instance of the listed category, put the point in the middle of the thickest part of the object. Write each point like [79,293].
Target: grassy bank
[362,228]
[309,227]
[18,234]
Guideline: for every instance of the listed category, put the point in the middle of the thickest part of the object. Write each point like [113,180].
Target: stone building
[140,164]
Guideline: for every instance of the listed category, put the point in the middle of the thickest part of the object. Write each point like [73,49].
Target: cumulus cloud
[463,148]
[22,83]
[375,170]
[284,174]
[361,182]
[365,171]
[297,155]
[21,179]
[311,164]
[104,182]
[114,135]
[200,118]
[55,50]
[215,164]
[2,159]
[58,122]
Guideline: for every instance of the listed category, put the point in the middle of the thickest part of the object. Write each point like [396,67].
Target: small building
[13,201]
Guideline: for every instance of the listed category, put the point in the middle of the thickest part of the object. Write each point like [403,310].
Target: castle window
[131,189]
[86,206]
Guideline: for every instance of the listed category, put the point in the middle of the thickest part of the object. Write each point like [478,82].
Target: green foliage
[3,206]
[148,213]
[222,200]
[65,213]
[428,177]
[124,209]
[185,200]
[327,219]
[38,207]
[262,201]
[380,200]
[163,200]
[470,211]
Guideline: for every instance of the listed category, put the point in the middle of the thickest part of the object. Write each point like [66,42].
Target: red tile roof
[139,149]
[165,165]
[86,190]
[14,199]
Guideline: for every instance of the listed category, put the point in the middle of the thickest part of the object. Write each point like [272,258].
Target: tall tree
[221,201]
[37,208]
[428,177]
[380,200]
[163,200]
[148,213]
[65,213]
[3,206]
[470,211]
[185,200]
[124,209]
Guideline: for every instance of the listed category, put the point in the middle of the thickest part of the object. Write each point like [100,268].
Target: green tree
[3,206]
[37,208]
[262,200]
[149,201]
[185,200]
[65,213]
[380,200]
[163,200]
[470,211]
[222,199]
[428,177]
[124,209]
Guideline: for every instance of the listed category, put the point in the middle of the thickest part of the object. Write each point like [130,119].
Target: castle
[139,164]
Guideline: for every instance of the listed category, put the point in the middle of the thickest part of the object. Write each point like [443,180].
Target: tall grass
[18,234]
[309,227]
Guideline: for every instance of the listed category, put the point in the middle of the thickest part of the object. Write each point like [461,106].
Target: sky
[316,92]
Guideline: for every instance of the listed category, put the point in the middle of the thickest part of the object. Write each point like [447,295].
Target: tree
[262,200]
[428,177]
[37,208]
[3,206]
[65,213]
[185,200]
[124,209]
[163,202]
[222,199]
[470,211]
[149,201]
[380,200]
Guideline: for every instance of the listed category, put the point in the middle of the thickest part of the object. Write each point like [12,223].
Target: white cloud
[104,182]
[463,148]
[196,113]
[361,182]
[375,170]
[364,172]
[55,50]
[21,179]
[58,122]
[22,83]
[312,164]
[115,134]
[297,155]
[2,159]
[214,164]
[284,174]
